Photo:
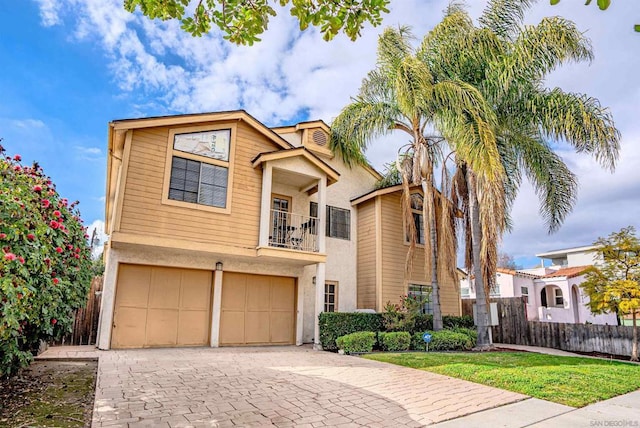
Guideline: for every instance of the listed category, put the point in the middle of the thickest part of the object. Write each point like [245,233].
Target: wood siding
[394,252]
[366,256]
[143,212]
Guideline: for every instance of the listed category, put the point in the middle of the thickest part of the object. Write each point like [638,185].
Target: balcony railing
[293,231]
[555,314]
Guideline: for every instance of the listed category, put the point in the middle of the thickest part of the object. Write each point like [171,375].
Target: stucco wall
[581,259]
[341,265]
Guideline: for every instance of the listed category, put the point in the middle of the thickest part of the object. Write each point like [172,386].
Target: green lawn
[572,381]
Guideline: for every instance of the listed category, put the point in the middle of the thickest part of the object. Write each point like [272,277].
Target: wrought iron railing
[293,231]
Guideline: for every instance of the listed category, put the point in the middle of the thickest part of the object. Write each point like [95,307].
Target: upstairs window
[338,221]
[199,170]
[557,297]
[418,218]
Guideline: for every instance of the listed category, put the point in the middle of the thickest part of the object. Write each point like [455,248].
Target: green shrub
[336,324]
[452,322]
[422,322]
[417,344]
[459,339]
[361,341]
[470,332]
[406,315]
[449,340]
[395,341]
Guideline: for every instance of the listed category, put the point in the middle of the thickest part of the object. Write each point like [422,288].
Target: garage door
[159,307]
[257,310]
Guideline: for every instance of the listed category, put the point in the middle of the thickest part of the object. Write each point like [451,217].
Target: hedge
[451,322]
[336,324]
[395,341]
[445,340]
[361,341]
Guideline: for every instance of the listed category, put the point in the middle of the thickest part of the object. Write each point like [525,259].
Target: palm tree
[401,94]
[507,62]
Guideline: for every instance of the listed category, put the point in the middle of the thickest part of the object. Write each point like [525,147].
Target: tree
[614,286]
[401,96]
[45,265]
[243,21]
[602,4]
[506,261]
[508,61]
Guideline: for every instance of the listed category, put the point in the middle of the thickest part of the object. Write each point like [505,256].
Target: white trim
[216,308]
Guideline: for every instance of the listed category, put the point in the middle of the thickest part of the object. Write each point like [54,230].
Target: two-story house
[226,232]
[552,293]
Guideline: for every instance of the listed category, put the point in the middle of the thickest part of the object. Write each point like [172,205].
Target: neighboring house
[226,232]
[553,293]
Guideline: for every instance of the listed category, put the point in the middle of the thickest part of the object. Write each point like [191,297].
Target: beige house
[226,232]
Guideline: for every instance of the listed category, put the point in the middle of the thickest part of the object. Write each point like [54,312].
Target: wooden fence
[605,339]
[85,325]
[514,328]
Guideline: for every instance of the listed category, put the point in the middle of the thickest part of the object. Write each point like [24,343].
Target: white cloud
[28,123]
[88,153]
[49,12]
[290,74]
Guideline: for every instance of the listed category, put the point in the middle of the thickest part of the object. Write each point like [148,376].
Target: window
[494,291]
[211,144]
[199,172]
[338,221]
[557,297]
[418,218]
[465,292]
[422,292]
[525,294]
[330,296]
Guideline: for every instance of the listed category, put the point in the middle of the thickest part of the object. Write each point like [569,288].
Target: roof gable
[568,272]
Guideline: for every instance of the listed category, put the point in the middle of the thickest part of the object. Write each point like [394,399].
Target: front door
[280,209]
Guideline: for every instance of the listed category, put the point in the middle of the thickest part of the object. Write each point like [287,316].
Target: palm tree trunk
[634,347]
[482,307]
[435,287]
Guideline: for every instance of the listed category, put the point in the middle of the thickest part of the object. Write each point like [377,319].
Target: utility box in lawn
[493,314]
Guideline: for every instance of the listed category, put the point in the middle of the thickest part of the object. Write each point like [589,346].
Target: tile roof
[516,272]
[569,272]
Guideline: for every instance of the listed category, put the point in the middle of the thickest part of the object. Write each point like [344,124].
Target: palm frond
[579,120]
[555,184]
[357,124]
[504,17]
[539,49]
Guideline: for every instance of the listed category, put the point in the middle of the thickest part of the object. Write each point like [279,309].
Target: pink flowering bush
[45,263]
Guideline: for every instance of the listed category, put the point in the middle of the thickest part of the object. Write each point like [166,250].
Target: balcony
[294,231]
[555,314]
[290,178]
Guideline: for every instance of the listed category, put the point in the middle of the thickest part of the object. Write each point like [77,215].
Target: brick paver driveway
[281,386]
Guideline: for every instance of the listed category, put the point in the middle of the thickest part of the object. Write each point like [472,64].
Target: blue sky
[69,67]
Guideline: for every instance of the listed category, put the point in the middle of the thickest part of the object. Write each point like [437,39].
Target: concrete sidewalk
[538,350]
[621,411]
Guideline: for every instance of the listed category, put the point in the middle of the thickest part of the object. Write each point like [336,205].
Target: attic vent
[319,137]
